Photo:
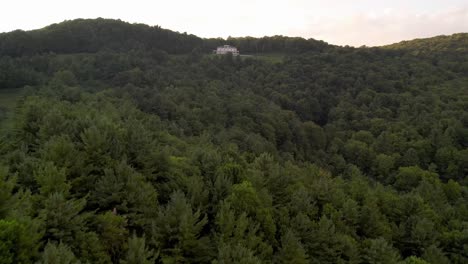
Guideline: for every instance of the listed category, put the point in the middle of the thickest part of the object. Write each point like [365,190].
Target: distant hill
[450,52]
[456,43]
[92,35]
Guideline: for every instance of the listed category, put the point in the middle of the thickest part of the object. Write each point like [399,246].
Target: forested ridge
[134,144]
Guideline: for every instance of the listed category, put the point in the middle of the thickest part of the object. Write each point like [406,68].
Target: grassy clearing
[268,57]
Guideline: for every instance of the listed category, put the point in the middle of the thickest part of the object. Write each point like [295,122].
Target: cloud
[386,27]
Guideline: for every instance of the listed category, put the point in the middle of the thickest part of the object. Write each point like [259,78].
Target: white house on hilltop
[227,49]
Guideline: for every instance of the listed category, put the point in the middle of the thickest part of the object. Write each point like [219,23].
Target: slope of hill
[445,51]
[92,35]
[121,153]
[456,43]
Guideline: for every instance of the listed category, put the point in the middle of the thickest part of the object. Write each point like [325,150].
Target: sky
[340,22]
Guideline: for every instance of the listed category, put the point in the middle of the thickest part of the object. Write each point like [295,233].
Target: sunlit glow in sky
[342,22]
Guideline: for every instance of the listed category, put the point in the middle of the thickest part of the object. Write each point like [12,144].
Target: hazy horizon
[339,22]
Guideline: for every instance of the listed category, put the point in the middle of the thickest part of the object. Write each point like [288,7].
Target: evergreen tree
[379,251]
[6,191]
[176,232]
[137,252]
[60,253]
[291,250]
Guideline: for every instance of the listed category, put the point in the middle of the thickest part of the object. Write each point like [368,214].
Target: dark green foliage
[6,189]
[62,217]
[379,251]
[75,37]
[291,250]
[112,231]
[433,254]
[15,244]
[137,252]
[60,253]
[133,145]
[176,231]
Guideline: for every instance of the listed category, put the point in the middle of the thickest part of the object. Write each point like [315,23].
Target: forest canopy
[134,144]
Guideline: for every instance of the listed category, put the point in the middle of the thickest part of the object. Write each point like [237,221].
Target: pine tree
[51,180]
[6,189]
[235,254]
[137,252]
[378,251]
[60,253]
[434,255]
[414,260]
[62,218]
[291,250]
[15,246]
[324,246]
[239,230]
[113,234]
[176,232]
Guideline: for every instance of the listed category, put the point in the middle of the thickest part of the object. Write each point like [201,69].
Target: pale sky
[341,22]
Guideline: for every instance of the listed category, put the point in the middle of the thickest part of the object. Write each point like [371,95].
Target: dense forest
[134,144]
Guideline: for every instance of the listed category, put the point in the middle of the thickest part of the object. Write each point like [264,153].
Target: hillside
[456,43]
[87,35]
[132,145]
[445,51]
[92,35]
